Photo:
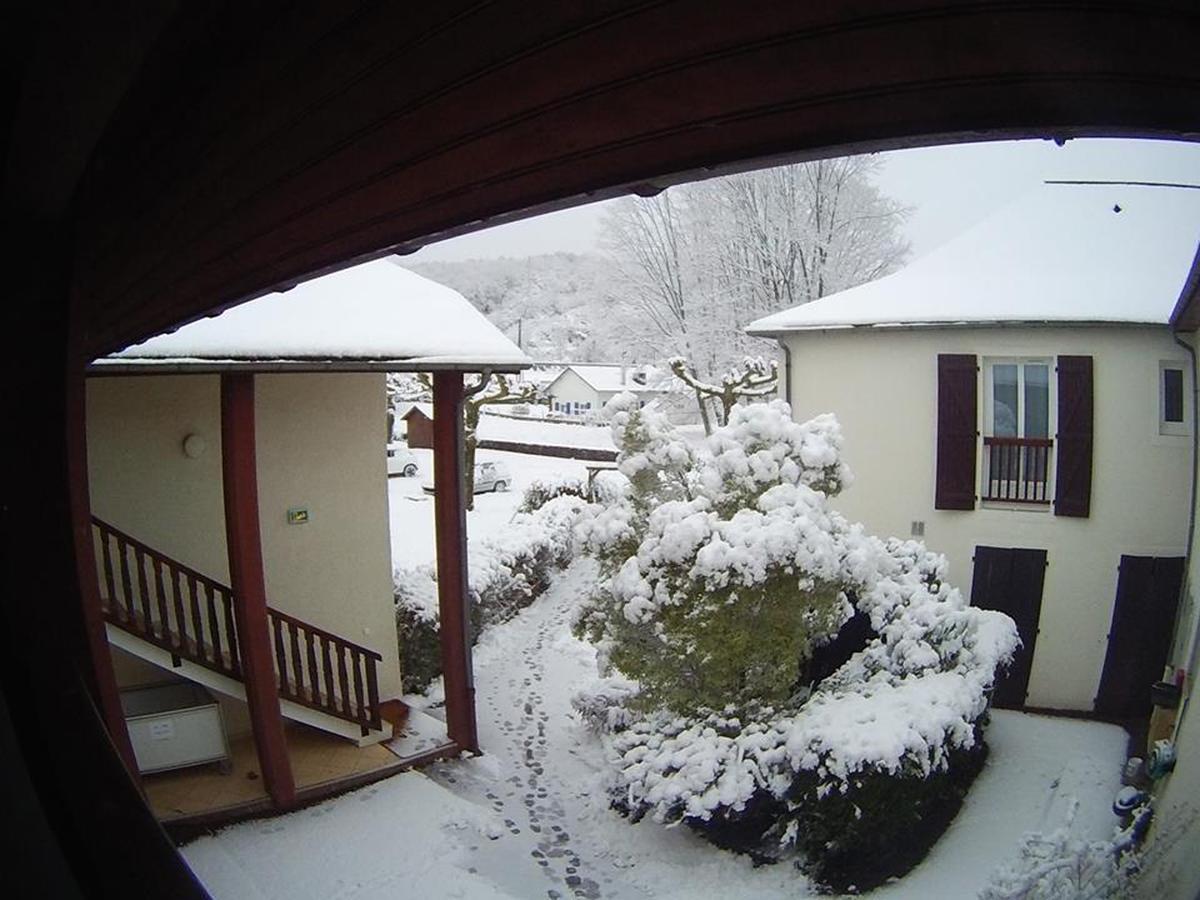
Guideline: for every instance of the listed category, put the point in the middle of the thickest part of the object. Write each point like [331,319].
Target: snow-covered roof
[377,315]
[425,409]
[1061,253]
[615,379]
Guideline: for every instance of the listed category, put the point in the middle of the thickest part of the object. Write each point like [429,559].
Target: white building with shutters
[1017,400]
[581,389]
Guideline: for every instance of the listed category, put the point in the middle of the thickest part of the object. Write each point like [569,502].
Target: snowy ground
[529,819]
[555,434]
[411,509]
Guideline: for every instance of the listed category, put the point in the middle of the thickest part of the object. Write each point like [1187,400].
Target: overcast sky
[949,189]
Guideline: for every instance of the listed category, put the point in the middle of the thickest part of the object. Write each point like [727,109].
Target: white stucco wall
[882,386]
[321,445]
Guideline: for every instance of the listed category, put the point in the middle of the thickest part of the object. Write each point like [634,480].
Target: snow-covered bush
[726,571]
[415,593]
[1062,866]
[543,490]
[505,574]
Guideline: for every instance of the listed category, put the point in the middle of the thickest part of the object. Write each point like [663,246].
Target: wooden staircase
[178,612]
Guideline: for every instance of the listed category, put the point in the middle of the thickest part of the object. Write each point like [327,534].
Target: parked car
[401,460]
[492,476]
[489,476]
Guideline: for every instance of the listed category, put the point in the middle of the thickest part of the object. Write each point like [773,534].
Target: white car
[489,476]
[492,476]
[401,460]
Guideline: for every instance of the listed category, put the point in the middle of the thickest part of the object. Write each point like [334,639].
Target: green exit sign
[297,515]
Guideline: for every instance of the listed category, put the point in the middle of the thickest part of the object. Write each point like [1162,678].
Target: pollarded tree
[755,379]
[488,390]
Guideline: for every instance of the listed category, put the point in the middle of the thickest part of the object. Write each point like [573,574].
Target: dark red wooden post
[108,698]
[451,524]
[244,541]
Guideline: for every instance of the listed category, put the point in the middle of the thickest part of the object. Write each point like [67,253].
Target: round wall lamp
[194,446]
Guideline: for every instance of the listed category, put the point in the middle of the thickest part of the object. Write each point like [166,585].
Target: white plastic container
[174,725]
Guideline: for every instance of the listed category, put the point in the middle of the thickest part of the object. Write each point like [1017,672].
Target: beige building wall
[1173,868]
[142,482]
[882,385]
[321,446]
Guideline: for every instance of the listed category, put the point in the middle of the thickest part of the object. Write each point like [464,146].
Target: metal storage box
[174,725]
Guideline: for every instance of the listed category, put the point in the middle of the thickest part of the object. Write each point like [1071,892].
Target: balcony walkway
[323,765]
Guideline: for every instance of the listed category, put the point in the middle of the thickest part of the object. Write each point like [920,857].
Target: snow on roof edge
[957,323]
[150,364]
[1111,253]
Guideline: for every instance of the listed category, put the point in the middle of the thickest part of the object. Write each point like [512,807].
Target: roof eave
[167,366]
[782,332]
[1186,314]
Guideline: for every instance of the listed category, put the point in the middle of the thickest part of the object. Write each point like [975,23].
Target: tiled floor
[317,758]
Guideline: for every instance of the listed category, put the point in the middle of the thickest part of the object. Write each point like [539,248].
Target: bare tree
[698,262]
[654,247]
[795,233]
[488,390]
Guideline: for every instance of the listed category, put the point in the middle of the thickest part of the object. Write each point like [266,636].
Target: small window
[1172,401]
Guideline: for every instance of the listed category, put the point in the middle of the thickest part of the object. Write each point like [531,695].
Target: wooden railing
[1017,470]
[325,672]
[191,616]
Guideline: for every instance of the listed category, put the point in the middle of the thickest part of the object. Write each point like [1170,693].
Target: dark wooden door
[1010,580]
[1140,635]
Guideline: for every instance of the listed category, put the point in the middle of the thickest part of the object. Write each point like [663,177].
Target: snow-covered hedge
[727,572]
[543,490]
[505,574]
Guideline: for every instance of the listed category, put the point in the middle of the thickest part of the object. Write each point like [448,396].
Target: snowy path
[563,840]
[528,819]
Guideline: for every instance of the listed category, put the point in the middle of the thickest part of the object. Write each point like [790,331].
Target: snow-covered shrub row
[505,574]
[726,572]
[543,490]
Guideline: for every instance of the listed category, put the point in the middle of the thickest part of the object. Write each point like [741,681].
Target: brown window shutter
[957,415]
[1073,478]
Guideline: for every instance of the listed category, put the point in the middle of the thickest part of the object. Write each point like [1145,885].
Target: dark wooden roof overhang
[257,148]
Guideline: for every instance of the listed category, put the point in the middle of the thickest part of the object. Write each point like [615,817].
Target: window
[1022,407]
[1017,444]
[1018,398]
[1172,406]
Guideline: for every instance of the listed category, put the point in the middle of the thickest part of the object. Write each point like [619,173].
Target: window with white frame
[1173,412]
[1017,426]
